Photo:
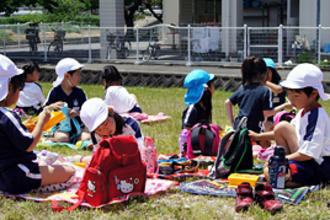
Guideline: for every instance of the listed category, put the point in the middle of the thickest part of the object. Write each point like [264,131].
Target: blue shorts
[136,108]
[20,178]
[310,172]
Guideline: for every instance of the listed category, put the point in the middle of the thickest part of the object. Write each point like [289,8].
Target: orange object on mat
[55,118]
[238,178]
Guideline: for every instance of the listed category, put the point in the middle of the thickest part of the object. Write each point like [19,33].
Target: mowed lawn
[173,204]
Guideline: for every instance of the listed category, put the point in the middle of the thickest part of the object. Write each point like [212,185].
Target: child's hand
[44,116]
[253,135]
[56,106]
[74,113]
[288,105]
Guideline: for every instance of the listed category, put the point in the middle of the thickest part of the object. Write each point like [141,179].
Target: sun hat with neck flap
[195,82]
[306,75]
[63,66]
[8,70]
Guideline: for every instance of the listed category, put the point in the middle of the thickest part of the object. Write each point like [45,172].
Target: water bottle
[149,155]
[183,139]
[278,168]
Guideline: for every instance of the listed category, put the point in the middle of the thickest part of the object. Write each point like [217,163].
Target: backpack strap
[195,141]
[209,137]
[221,150]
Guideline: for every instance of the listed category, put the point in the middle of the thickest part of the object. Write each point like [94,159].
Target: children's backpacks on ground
[203,139]
[115,170]
[237,156]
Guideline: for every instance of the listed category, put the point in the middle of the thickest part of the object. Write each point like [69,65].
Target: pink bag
[149,155]
[203,139]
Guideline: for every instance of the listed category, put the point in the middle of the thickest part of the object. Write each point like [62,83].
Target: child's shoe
[244,197]
[265,197]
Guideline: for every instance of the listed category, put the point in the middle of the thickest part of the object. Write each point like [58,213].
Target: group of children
[261,95]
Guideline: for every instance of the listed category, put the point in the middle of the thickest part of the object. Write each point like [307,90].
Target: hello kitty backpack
[115,171]
[149,156]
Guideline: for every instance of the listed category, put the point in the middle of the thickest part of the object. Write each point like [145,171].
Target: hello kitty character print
[91,188]
[127,186]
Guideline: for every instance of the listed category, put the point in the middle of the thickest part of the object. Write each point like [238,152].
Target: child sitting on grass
[115,94]
[31,97]
[306,138]
[66,89]
[101,121]
[18,172]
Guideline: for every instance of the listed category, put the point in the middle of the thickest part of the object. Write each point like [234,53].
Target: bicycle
[121,44]
[153,49]
[55,48]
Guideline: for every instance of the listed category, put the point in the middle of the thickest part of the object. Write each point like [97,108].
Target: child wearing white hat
[18,172]
[307,137]
[65,89]
[101,120]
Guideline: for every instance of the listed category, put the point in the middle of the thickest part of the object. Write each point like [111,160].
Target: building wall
[171,12]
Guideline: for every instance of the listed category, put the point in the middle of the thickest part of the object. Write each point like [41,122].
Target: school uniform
[31,98]
[252,100]
[119,98]
[18,174]
[277,99]
[192,115]
[75,100]
[313,132]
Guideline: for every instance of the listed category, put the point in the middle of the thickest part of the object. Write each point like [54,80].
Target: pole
[280,45]
[89,45]
[188,47]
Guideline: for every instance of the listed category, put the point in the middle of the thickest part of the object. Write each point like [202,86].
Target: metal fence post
[188,47]
[19,35]
[245,41]
[248,41]
[280,45]
[137,60]
[319,45]
[44,42]
[89,45]
[4,39]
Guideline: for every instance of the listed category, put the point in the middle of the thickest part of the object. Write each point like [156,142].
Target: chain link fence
[166,44]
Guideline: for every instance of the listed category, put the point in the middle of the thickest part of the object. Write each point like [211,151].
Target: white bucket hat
[306,75]
[93,113]
[63,66]
[8,69]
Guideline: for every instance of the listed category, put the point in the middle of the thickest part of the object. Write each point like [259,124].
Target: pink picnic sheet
[149,119]
[153,186]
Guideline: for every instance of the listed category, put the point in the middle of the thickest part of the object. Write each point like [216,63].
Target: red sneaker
[265,197]
[244,197]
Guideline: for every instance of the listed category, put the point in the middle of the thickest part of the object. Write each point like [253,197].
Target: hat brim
[3,89]
[290,85]
[100,118]
[193,95]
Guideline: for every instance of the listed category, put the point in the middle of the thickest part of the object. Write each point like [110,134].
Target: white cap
[8,69]
[93,113]
[63,66]
[306,75]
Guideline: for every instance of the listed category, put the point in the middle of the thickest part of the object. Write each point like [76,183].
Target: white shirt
[313,131]
[119,98]
[31,95]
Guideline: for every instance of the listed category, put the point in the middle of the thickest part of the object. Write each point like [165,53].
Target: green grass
[172,204]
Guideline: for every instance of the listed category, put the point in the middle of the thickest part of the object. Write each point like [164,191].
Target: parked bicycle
[153,49]
[120,44]
[32,35]
[55,48]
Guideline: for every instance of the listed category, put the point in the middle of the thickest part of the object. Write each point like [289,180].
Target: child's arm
[268,113]
[229,110]
[261,136]
[277,89]
[297,156]
[44,117]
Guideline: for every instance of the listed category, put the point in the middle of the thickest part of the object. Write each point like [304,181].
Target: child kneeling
[18,172]
[306,138]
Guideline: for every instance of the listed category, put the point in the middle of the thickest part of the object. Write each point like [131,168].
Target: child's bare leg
[85,135]
[285,136]
[55,174]
[61,137]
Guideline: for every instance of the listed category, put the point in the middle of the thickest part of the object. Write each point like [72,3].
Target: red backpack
[116,170]
[203,139]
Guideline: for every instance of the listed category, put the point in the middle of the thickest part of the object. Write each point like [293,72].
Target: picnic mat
[153,186]
[149,119]
[221,188]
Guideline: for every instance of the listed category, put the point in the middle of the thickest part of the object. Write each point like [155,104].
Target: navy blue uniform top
[75,100]
[15,139]
[192,115]
[252,100]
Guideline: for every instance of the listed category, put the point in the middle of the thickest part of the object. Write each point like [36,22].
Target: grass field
[172,204]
